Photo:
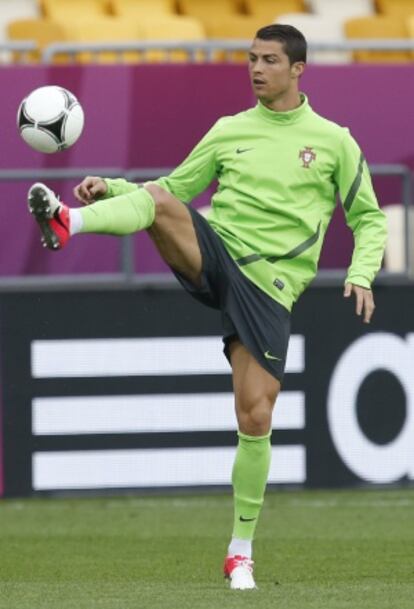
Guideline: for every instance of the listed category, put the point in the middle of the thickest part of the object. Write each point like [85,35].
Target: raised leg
[173,234]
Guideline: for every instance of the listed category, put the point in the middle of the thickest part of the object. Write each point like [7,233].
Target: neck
[283,103]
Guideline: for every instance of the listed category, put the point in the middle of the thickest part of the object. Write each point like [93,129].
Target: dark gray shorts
[260,323]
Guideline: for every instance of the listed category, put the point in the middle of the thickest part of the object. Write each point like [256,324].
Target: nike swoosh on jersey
[241,150]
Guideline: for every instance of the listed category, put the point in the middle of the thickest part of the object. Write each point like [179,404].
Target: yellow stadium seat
[237,27]
[42,31]
[269,10]
[142,8]
[73,10]
[171,29]
[102,30]
[410,27]
[208,10]
[379,27]
[396,8]
[217,16]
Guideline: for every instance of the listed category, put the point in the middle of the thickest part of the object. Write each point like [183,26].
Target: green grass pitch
[314,550]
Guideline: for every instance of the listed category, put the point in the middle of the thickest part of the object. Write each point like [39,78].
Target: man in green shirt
[279,168]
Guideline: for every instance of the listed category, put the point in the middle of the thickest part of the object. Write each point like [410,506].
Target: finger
[78,194]
[369,307]
[359,301]
[85,191]
[347,290]
[98,188]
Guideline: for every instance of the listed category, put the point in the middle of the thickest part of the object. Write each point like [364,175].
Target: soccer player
[279,167]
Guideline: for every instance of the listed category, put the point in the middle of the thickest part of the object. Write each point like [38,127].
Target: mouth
[258,82]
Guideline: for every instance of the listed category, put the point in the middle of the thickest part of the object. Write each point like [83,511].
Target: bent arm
[189,179]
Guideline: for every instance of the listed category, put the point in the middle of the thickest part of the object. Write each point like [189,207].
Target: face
[271,74]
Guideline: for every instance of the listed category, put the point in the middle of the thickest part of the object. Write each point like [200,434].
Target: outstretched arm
[188,180]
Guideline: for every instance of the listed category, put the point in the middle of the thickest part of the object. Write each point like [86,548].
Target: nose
[257,67]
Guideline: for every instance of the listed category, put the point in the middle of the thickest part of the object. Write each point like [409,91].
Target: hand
[90,189]
[364,300]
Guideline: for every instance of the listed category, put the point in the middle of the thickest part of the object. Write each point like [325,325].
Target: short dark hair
[294,42]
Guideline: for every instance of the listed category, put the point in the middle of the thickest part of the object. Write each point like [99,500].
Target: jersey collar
[284,118]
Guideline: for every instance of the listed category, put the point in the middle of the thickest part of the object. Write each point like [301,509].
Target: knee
[162,198]
[255,416]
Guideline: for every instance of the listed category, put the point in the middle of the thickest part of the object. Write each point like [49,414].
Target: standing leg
[255,393]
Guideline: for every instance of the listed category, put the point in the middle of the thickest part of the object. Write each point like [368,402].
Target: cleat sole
[39,206]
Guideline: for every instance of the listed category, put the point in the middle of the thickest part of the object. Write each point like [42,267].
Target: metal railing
[203,50]
[406,176]
[126,261]
[196,51]
[18,50]
[208,49]
[127,251]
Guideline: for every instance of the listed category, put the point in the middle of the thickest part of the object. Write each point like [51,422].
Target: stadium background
[146,117]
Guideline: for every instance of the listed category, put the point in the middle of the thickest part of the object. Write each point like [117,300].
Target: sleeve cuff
[118,186]
[358,280]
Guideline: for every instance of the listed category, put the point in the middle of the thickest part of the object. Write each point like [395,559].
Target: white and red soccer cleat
[239,570]
[51,215]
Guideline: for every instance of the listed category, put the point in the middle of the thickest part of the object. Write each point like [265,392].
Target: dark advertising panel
[120,389]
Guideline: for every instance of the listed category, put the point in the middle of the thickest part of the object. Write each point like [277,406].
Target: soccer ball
[50,119]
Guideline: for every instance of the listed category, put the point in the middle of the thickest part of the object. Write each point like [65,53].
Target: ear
[297,69]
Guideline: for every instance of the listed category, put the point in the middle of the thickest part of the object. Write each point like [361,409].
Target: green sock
[250,472]
[120,215]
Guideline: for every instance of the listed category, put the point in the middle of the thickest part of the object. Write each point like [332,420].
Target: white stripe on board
[140,356]
[154,467]
[153,413]
[295,361]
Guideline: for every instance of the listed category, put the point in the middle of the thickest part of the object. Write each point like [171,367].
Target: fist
[90,189]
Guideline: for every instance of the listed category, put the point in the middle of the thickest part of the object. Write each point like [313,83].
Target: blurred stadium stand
[268,10]
[11,10]
[68,10]
[42,32]
[136,9]
[400,8]
[367,25]
[221,18]
[319,28]
[379,27]
[342,10]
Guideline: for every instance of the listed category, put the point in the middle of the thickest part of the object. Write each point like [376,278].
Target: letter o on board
[370,461]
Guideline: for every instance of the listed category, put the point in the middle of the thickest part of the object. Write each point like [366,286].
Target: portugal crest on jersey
[307,155]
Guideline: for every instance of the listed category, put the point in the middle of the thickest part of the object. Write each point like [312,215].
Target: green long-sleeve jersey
[278,177]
